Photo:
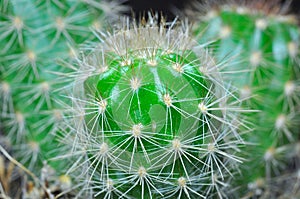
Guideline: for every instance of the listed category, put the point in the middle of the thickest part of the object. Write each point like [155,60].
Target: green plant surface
[148,121]
[260,52]
[36,39]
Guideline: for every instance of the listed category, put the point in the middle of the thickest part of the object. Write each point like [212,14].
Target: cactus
[142,111]
[151,117]
[36,37]
[260,47]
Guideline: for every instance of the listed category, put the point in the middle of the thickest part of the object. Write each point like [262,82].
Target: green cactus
[261,51]
[36,37]
[151,117]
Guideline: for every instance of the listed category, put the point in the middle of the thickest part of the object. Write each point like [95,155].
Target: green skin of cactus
[135,93]
[29,60]
[259,44]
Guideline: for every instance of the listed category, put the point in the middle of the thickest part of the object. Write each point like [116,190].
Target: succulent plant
[151,118]
[259,46]
[144,111]
[36,37]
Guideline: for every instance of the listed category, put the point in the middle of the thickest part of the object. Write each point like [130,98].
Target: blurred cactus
[35,38]
[259,46]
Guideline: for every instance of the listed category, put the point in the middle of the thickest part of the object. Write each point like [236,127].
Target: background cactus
[36,37]
[151,117]
[260,46]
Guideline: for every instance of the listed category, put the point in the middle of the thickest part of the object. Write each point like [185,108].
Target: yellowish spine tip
[289,88]
[142,172]
[20,117]
[176,144]
[203,108]
[261,24]
[103,148]
[31,56]
[182,181]
[5,87]
[255,58]
[126,62]
[167,99]
[102,104]
[280,122]
[60,23]
[34,146]
[269,154]
[293,49]
[152,62]
[225,32]
[17,23]
[65,182]
[245,92]
[178,68]
[137,130]
[135,83]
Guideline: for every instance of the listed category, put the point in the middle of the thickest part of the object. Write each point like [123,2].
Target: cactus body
[36,37]
[152,124]
[261,52]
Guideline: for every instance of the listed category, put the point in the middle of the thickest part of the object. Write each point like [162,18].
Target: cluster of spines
[31,104]
[263,63]
[119,152]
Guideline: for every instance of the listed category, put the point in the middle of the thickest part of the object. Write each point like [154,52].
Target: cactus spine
[35,38]
[264,66]
[153,116]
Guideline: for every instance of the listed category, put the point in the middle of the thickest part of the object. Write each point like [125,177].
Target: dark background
[166,6]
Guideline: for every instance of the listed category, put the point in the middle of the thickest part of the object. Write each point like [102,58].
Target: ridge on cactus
[264,45]
[151,116]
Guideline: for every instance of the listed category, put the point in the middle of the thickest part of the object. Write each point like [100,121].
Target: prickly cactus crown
[151,116]
[261,51]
